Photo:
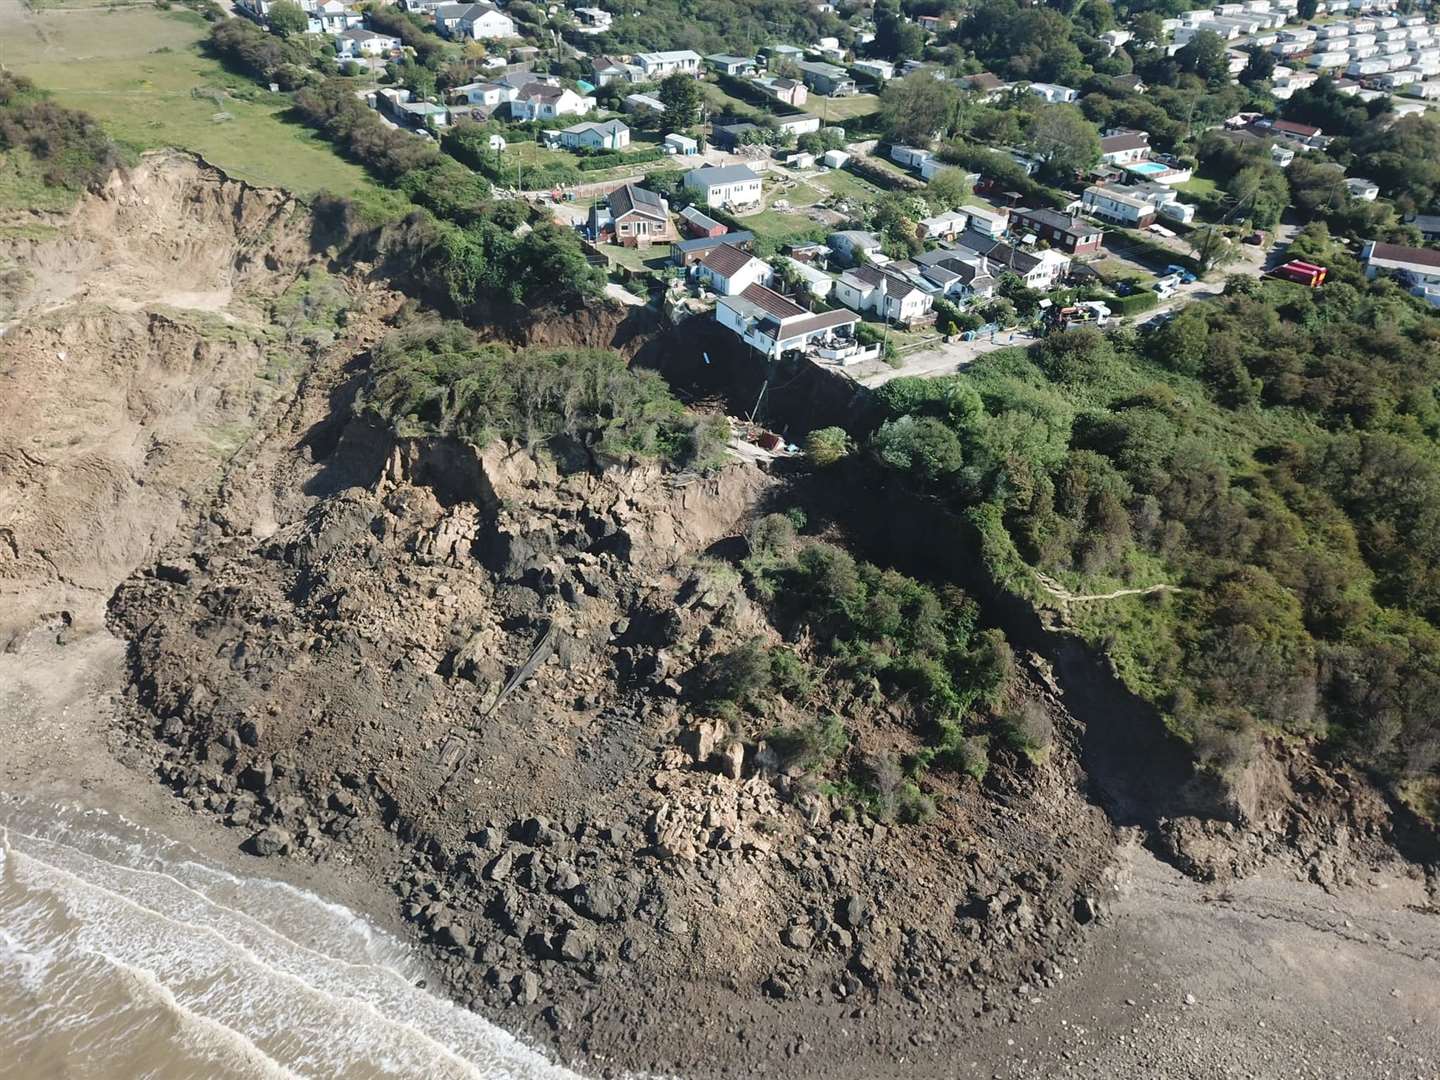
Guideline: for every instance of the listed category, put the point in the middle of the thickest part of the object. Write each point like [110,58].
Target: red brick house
[1071,235]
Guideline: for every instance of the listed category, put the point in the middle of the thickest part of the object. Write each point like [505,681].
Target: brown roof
[1126,140]
[771,302]
[1403,254]
[725,260]
[1293,128]
[984,81]
[827,320]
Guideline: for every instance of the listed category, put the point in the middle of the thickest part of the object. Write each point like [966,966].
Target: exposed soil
[463,675]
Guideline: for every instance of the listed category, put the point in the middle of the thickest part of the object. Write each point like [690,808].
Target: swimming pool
[1147,168]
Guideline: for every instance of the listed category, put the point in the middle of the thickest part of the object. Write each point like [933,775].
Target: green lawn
[655,257]
[1199,186]
[841,108]
[845,184]
[139,71]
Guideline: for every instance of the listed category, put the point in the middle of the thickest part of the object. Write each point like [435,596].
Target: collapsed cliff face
[138,358]
[465,669]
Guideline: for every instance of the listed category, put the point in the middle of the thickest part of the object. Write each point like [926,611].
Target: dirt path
[1065,596]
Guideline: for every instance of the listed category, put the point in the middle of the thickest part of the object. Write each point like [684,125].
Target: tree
[948,188]
[915,109]
[288,18]
[1064,140]
[1204,55]
[896,37]
[919,445]
[1148,28]
[1260,66]
[827,445]
[681,95]
[1212,247]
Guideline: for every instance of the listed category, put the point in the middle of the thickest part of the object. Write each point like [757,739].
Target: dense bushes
[1275,455]
[72,150]
[436,378]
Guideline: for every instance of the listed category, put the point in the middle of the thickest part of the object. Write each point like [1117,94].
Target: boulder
[798,937]
[732,759]
[605,900]
[699,740]
[268,842]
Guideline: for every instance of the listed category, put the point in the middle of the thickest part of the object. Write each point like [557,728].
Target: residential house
[1069,234]
[332,17]
[698,223]
[1428,224]
[799,124]
[605,70]
[1054,92]
[986,84]
[935,23]
[1124,147]
[536,101]
[943,226]
[354,43]
[730,271]
[828,79]
[632,216]
[817,283]
[658,65]
[1304,136]
[593,20]
[1362,189]
[834,159]
[689,252]
[773,325]
[785,91]
[912,157]
[476,22]
[879,70]
[984,220]
[772,53]
[737,66]
[891,296]
[604,135]
[730,186]
[1118,204]
[1418,269]
[1131,84]
[960,273]
[482,93]
[681,145]
[1043,270]
[852,244]
[644,103]
[728,135]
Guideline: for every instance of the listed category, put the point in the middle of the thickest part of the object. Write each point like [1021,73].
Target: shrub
[828,445]
[1028,730]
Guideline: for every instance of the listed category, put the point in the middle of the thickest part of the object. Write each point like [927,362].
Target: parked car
[1185,276]
[1257,238]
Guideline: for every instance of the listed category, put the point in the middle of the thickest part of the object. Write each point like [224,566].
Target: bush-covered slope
[436,378]
[1275,456]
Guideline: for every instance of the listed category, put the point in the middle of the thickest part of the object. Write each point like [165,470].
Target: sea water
[123,955]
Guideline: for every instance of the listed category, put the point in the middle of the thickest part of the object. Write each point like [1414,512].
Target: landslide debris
[467,669]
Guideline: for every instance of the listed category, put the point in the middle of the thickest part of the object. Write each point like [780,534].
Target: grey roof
[725,58]
[701,243]
[723,174]
[628,197]
[1055,220]
[696,217]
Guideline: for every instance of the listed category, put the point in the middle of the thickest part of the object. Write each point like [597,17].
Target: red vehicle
[1304,273]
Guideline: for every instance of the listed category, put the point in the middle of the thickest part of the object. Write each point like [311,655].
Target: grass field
[138,70]
[842,108]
